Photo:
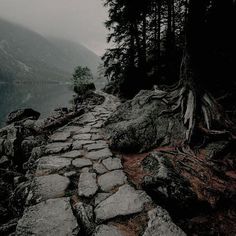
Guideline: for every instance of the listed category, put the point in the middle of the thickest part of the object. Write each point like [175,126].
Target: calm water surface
[41,97]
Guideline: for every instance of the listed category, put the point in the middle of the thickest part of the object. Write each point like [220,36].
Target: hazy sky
[77,20]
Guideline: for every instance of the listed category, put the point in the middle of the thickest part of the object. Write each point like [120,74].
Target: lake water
[43,98]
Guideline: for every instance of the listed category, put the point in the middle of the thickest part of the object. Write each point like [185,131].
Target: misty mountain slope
[28,56]
[77,54]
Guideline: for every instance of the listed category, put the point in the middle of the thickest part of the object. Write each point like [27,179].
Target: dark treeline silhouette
[186,43]
[147,38]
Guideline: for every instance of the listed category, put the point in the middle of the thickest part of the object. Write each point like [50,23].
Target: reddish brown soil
[214,182]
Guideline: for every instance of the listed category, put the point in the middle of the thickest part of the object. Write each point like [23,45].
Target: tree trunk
[196,103]
[138,44]
[159,39]
[144,34]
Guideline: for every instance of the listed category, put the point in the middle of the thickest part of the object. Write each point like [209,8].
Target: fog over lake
[46,88]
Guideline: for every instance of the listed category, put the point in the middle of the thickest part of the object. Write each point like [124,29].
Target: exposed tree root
[198,111]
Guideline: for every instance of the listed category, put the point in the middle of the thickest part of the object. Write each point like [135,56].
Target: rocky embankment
[63,177]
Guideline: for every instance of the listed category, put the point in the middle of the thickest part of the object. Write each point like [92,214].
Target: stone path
[80,188]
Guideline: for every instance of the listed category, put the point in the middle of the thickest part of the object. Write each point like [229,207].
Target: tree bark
[196,102]
[159,40]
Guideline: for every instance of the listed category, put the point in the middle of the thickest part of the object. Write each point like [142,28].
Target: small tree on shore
[82,80]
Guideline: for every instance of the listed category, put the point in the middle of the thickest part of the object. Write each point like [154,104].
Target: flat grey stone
[111,180]
[77,145]
[160,223]
[52,217]
[107,230]
[104,115]
[91,123]
[46,187]
[98,124]
[82,137]
[87,118]
[70,173]
[85,170]
[87,186]
[73,154]
[81,162]
[52,163]
[99,168]
[101,197]
[112,163]
[100,110]
[85,130]
[70,129]
[60,137]
[125,201]
[95,131]
[96,146]
[54,148]
[99,155]
[96,137]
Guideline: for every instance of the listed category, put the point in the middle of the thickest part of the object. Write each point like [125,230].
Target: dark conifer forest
[186,48]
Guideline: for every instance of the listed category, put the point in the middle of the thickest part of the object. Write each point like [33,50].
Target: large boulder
[165,183]
[22,114]
[143,123]
[51,217]
[160,223]
[12,136]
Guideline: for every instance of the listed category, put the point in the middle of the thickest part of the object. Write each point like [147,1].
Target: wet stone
[52,217]
[112,163]
[71,129]
[101,110]
[54,148]
[94,131]
[101,197]
[87,118]
[104,115]
[50,163]
[87,186]
[85,170]
[96,137]
[125,201]
[60,137]
[96,146]
[70,174]
[85,130]
[107,230]
[81,162]
[99,168]
[160,223]
[77,145]
[101,154]
[98,125]
[73,154]
[111,180]
[47,187]
[82,137]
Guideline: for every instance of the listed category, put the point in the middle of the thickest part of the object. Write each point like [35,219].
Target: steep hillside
[28,56]
[76,54]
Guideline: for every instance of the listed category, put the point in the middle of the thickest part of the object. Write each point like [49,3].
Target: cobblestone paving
[80,187]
